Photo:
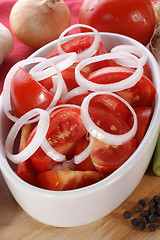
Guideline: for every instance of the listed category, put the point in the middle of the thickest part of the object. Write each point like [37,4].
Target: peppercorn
[145,213]
[138,207]
[156,199]
[152,210]
[142,202]
[141,226]
[127,214]
[152,218]
[151,203]
[143,220]
[152,227]
[135,222]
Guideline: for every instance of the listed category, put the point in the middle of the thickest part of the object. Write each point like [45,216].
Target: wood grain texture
[15,224]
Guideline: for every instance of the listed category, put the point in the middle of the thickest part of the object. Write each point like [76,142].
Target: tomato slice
[144,115]
[27,173]
[107,158]
[68,179]
[87,164]
[27,94]
[141,94]
[111,115]
[78,44]
[65,130]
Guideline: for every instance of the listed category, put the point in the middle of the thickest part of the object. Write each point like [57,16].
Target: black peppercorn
[143,220]
[145,213]
[135,222]
[151,203]
[152,210]
[142,202]
[152,227]
[156,199]
[141,226]
[138,207]
[127,214]
[152,218]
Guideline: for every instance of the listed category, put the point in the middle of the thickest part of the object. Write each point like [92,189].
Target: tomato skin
[141,94]
[68,179]
[135,18]
[27,94]
[144,115]
[66,128]
[78,44]
[27,173]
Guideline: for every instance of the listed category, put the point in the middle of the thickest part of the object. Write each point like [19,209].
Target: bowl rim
[8,171]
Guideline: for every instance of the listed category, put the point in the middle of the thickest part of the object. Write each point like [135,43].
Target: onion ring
[37,140]
[113,87]
[100,134]
[130,49]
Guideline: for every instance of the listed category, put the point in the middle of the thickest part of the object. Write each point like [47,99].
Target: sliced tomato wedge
[144,115]
[68,179]
[141,94]
[107,158]
[65,130]
[78,44]
[27,94]
[27,173]
[111,115]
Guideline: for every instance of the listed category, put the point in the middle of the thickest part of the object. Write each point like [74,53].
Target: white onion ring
[44,69]
[113,87]
[6,87]
[87,52]
[37,140]
[97,132]
[84,154]
[130,49]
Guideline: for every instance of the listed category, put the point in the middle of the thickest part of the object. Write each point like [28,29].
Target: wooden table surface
[15,224]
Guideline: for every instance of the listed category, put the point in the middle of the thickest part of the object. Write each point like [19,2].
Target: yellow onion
[38,22]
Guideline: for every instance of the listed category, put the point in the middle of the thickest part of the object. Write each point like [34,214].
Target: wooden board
[15,224]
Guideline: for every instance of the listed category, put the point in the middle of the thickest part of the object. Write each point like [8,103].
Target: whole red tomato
[133,18]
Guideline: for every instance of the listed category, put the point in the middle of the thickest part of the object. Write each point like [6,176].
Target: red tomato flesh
[27,94]
[68,179]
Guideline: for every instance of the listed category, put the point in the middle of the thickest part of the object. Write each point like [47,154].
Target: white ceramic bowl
[82,206]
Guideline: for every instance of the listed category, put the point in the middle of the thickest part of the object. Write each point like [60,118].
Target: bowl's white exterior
[82,206]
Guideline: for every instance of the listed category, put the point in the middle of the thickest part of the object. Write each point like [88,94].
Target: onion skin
[38,22]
